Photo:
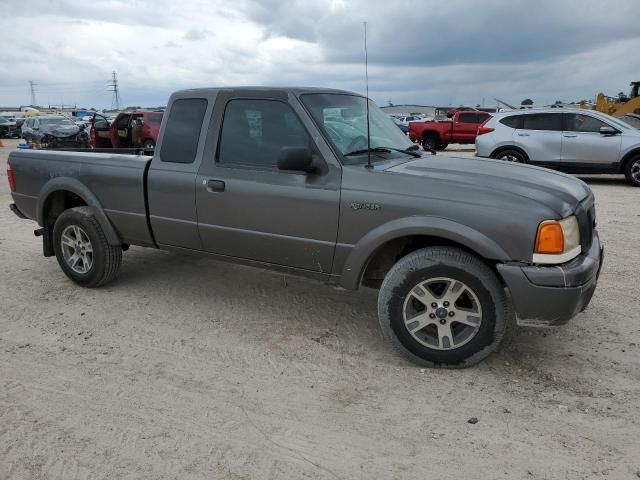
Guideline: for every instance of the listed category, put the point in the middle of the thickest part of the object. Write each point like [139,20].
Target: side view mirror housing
[608,131]
[297,159]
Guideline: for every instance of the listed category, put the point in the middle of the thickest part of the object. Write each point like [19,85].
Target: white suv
[572,141]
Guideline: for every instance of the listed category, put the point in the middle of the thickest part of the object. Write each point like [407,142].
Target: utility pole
[32,88]
[115,101]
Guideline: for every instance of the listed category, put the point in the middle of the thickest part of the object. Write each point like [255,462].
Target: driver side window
[254,132]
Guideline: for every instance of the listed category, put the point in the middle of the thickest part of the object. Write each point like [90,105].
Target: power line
[115,102]
[32,88]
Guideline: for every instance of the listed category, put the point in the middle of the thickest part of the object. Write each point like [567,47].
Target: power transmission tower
[115,101]
[32,88]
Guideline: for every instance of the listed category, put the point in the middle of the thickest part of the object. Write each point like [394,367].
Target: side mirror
[608,131]
[295,158]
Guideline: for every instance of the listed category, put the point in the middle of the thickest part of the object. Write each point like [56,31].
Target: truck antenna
[366,80]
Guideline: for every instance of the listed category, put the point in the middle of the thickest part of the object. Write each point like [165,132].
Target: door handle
[215,185]
[523,134]
[570,136]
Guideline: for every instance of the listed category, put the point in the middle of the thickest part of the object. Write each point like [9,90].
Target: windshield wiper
[408,151]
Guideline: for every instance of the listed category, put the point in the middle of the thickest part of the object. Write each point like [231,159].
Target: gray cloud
[423,51]
[196,35]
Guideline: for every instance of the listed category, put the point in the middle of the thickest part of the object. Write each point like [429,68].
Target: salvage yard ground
[189,368]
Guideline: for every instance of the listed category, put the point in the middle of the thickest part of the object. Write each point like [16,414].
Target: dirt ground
[185,368]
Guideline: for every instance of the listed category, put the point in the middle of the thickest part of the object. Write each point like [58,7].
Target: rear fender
[78,188]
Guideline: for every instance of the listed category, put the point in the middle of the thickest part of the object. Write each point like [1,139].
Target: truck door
[249,209]
[465,128]
[583,146]
[172,174]
[100,136]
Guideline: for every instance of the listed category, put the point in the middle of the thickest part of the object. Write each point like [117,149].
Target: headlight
[557,241]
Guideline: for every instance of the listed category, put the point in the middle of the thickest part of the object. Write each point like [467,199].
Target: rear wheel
[149,144]
[632,171]
[442,146]
[430,141]
[82,249]
[441,306]
[511,156]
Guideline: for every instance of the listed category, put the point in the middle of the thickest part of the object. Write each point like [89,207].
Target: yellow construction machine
[620,105]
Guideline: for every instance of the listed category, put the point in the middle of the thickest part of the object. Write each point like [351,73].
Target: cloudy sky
[420,51]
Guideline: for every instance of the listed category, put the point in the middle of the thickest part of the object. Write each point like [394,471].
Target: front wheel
[632,171]
[82,249]
[149,144]
[443,307]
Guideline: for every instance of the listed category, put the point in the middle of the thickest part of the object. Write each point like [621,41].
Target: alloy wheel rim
[635,170]
[442,313]
[77,249]
[510,158]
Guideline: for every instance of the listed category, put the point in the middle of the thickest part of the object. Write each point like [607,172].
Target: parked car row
[571,141]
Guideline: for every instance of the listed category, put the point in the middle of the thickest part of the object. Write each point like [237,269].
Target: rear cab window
[182,132]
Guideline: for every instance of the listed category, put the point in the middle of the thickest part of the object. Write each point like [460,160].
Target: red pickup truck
[462,128]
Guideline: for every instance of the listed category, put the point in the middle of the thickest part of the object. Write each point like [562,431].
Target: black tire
[632,171]
[434,263]
[442,146]
[430,141]
[105,259]
[513,156]
[149,144]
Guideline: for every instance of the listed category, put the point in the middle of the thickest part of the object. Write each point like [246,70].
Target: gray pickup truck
[286,178]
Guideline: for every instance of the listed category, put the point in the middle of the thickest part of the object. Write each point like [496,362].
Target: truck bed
[116,181]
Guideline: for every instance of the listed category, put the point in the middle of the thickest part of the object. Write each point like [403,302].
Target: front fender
[411,226]
[75,186]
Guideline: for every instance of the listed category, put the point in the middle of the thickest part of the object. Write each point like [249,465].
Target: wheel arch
[60,194]
[628,157]
[503,148]
[379,249]
[431,133]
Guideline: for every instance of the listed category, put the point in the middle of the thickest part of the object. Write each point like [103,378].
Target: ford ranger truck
[287,179]
[462,128]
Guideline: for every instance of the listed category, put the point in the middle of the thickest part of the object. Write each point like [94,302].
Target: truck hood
[558,191]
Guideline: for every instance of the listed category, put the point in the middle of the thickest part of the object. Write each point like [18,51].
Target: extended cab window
[254,131]
[182,132]
[575,122]
[542,121]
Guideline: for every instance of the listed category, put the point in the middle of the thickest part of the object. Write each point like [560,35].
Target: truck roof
[293,90]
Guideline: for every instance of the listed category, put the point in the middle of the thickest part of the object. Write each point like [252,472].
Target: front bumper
[552,295]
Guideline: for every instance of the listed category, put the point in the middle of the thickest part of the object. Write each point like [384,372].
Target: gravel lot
[188,368]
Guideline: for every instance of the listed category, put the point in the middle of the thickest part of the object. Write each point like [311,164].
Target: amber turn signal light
[550,238]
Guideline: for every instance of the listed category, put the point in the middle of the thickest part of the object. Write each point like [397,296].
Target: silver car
[572,141]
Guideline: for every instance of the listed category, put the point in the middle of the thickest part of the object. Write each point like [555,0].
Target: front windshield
[55,121]
[344,120]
